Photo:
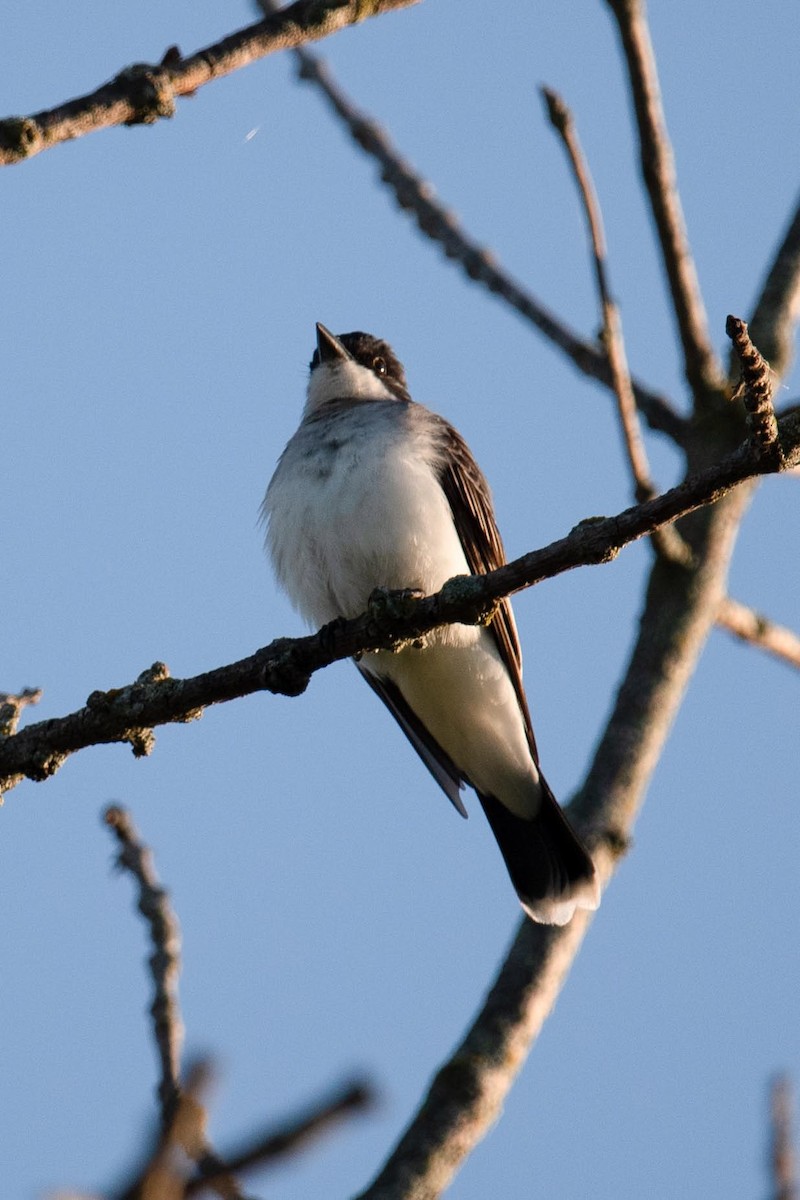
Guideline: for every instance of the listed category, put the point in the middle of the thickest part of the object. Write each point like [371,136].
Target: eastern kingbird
[375,491]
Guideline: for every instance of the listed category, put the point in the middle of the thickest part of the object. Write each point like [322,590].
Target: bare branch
[144,93]
[752,627]
[466,1096]
[183,1117]
[778,307]
[285,666]
[701,365]
[292,1136]
[756,390]
[166,1171]
[163,1175]
[667,541]
[562,121]
[415,195]
[165,962]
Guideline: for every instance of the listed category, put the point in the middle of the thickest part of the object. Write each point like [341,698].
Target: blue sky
[161,287]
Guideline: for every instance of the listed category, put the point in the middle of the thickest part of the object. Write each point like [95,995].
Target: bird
[374,490]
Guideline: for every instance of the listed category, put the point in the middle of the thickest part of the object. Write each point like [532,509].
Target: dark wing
[440,765]
[469,497]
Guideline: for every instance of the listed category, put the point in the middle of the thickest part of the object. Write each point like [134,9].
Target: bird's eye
[379,365]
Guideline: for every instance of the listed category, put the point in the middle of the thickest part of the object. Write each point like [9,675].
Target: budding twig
[755,391]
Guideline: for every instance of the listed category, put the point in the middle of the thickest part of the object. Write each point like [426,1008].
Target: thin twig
[415,195]
[666,541]
[292,1136]
[164,1173]
[129,714]
[756,391]
[562,121]
[183,1117]
[144,93]
[783,1172]
[155,907]
[760,631]
[701,365]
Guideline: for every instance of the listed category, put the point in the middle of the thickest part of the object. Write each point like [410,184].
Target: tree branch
[666,541]
[155,907]
[439,224]
[180,1140]
[292,1136]
[143,93]
[285,666]
[750,626]
[562,121]
[183,1115]
[701,366]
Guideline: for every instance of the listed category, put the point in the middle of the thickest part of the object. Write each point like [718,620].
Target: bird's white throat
[343,380]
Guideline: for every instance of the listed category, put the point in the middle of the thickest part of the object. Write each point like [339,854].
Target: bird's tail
[549,866]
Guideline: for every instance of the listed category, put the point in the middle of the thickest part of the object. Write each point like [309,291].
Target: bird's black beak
[330,348]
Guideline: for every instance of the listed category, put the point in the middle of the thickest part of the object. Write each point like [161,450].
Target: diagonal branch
[466,1096]
[129,714]
[291,1137]
[701,365]
[161,1175]
[181,1140]
[144,93]
[439,224]
[750,626]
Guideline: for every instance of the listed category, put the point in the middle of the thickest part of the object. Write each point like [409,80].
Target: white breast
[355,504]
